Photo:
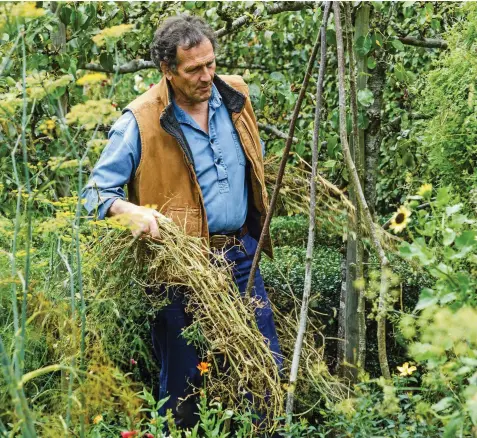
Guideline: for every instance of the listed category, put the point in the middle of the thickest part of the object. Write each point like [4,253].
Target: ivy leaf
[365,97]
[363,45]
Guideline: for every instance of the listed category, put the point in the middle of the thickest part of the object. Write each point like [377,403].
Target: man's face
[192,82]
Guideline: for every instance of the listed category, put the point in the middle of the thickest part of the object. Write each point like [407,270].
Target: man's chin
[202,97]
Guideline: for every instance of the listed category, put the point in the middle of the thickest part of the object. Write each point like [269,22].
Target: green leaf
[449,236]
[465,243]
[329,163]
[443,196]
[363,45]
[365,97]
[371,62]
[398,45]
[106,60]
[443,404]
[453,209]
[254,90]
[277,76]
[426,298]
[65,14]
[400,72]
[452,427]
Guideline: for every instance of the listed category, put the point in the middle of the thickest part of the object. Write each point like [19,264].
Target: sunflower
[400,219]
[425,190]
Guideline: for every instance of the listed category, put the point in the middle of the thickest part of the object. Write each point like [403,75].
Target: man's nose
[205,76]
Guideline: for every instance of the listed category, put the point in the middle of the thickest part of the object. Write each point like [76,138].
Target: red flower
[151,85]
[133,362]
[149,435]
[128,433]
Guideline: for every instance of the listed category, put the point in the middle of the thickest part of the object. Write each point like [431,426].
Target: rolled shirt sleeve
[115,168]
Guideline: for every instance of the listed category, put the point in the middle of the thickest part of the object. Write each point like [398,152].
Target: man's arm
[117,165]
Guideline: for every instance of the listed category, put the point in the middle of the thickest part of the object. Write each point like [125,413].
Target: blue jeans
[179,361]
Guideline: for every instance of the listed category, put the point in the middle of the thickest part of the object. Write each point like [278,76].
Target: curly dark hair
[182,30]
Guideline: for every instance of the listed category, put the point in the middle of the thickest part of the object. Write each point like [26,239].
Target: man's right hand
[142,219]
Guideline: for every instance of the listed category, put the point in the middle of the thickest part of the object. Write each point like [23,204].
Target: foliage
[79,344]
[438,399]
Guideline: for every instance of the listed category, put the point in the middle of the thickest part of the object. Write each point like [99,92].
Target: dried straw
[226,320]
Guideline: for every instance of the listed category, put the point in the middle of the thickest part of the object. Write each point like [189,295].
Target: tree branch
[130,67]
[270,9]
[430,43]
[269,129]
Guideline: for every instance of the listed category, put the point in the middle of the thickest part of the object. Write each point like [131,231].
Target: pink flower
[128,433]
[133,362]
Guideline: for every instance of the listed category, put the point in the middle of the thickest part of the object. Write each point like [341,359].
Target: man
[189,145]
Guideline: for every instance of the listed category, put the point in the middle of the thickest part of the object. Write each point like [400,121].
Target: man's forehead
[196,56]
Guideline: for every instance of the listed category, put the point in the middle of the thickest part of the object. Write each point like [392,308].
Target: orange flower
[97,419]
[203,367]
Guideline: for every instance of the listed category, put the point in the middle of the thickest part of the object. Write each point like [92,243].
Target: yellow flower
[92,78]
[98,419]
[111,32]
[26,10]
[424,190]
[406,370]
[400,219]
[203,367]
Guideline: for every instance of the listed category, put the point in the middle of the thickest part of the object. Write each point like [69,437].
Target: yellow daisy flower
[400,219]
[406,370]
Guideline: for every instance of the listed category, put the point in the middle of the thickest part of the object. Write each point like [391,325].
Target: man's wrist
[118,206]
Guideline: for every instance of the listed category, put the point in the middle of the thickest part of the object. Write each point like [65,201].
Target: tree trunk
[363,205]
[354,329]
[361,29]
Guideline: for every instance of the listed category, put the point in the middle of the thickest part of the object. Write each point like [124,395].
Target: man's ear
[165,70]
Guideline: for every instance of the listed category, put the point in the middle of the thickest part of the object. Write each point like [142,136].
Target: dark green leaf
[363,45]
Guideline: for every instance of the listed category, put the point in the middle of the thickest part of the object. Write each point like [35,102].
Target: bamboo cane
[311,228]
[281,171]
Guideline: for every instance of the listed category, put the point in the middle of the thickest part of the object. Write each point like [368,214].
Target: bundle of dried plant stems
[243,372]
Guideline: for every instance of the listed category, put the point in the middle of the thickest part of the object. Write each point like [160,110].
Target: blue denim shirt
[219,163]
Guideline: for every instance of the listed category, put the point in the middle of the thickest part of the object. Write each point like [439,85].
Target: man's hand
[142,219]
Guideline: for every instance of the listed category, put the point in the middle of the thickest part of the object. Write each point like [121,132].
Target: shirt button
[212,141]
